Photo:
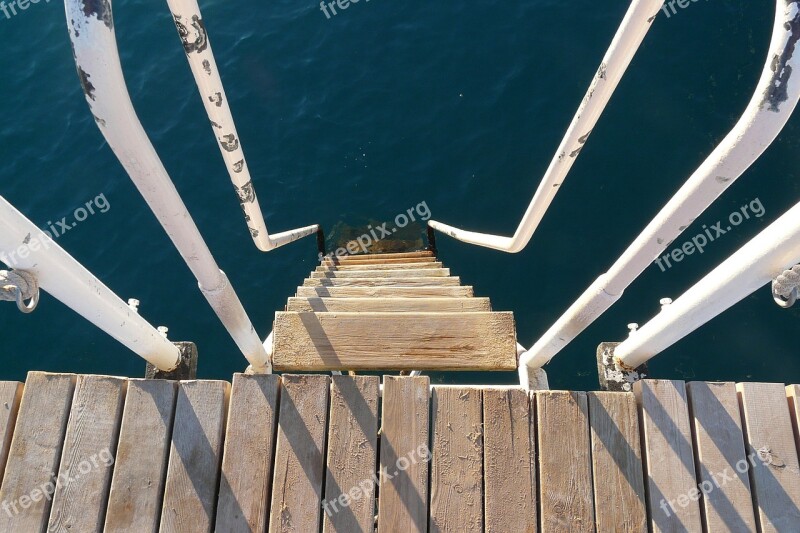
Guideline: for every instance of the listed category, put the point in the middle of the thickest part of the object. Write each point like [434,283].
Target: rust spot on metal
[238,166]
[88,88]
[216,99]
[229,142]
[100,9]
[778,91]
[214,124]
[207,66]
[576,152]
[602,71]
[193,41]
[583,139]
[247,193]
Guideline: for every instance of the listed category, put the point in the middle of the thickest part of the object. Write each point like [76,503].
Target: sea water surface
[383,106]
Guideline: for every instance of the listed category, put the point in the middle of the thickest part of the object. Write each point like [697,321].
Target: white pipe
[772,251]
[771,107]
[194,36]
[23,246]
[91,29]
[626,42]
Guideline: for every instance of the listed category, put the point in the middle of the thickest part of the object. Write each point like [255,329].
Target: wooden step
[388,305]
[392,341]
[367,257]
[383,282]
[385,292]
[392,266]
[337,262]
[422,273]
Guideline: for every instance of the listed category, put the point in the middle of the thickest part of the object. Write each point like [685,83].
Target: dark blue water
[386,105]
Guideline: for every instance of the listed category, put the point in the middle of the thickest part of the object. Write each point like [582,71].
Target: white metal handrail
[763,258]
[773,103]
[626,42]
[26,247]
[194,36]
[91,29]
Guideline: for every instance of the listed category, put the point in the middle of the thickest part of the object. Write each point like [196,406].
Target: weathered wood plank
[300,454]
[28,481]
[421,273]
[793,397]
[384,282]
[244,491]
[405,450]
[565,464]
[669,457]
[388,305]
[370,341]
[140,470]
[509,455]
[357,267]
[190,493]
[87,458]
[772,454]
[619,493]
[397,255]
[727,503]
[349,504]
[385,292]
[400,261]
[457,465]
[10,397]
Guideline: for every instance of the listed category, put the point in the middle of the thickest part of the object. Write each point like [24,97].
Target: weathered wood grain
[727,503]
[619,493]
[350,487]
[244,491]
[509,462]
[385,292]
[404,454]
[30,476]
[10,397]
[300,454]
[190,493]
[140,469]
[408,273]
[361,262]
[669,457]
[87,459]
[384,282]
[357,267]
[565,464]
[389,305]
[388,341]
[772,455]
[457,465]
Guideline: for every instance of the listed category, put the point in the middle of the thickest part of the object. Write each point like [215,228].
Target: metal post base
[186,370]
[613,377]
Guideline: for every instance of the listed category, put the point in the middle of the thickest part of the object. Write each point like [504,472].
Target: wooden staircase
[390,312]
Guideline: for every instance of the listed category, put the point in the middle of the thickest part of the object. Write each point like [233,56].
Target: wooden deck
[304,453]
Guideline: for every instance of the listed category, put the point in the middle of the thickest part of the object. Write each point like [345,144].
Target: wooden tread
[387,305]
[377,341]
[385,292]
[337,262]
[421,273]
[383,282]
[368,257]
[372,267]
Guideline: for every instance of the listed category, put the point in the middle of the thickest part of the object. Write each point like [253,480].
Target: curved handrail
[626,42]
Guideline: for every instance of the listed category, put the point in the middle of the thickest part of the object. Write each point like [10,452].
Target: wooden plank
[349,504]
[385,292]
[28,481]
[618,478]
[357,267]
[389,305]
[669,457]
[383,282]
[565,464]
[398,255]
[190,493]
[424,272]
[362,262]
[10,397]
[772,454]
[509,456]
[457,465]
[727,503]
[300,454]
[793,397]
[244,491]
[88,454]
[403,501]
[140,470]
[424,341]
